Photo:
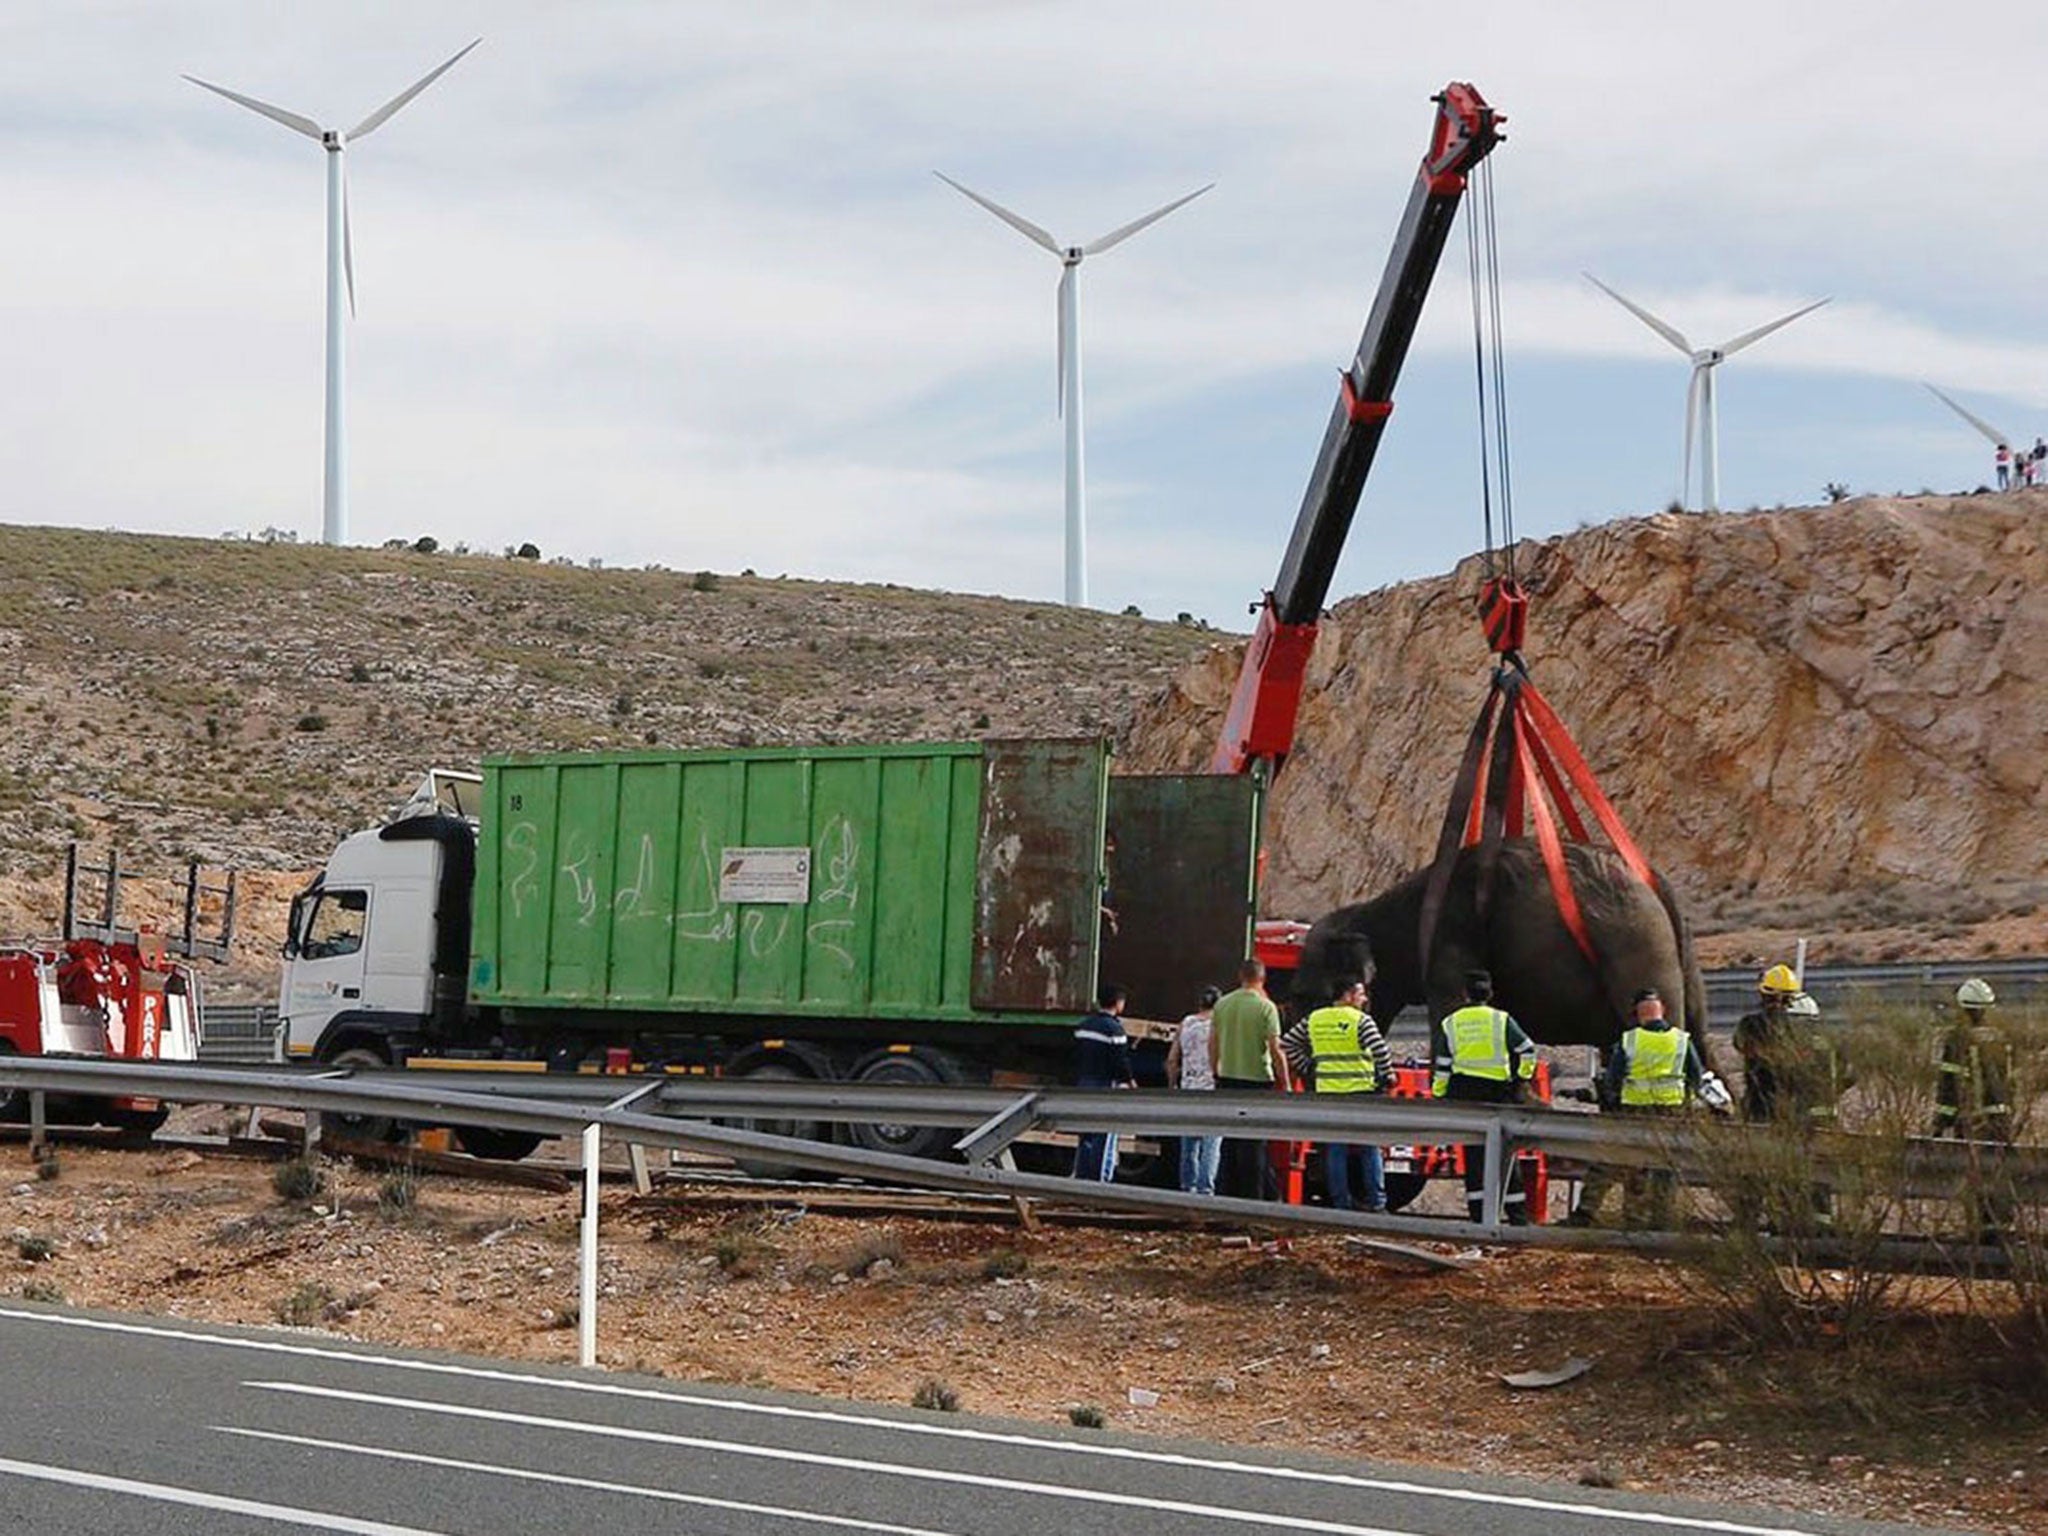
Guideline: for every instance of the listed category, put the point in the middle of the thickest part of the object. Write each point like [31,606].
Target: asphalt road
[131,1425]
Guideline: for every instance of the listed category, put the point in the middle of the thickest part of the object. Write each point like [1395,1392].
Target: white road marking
[840,1463]
[938,1431]
[164,1493]
[636,1490]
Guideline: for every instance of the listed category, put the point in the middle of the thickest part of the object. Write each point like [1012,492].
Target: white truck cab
[360,946]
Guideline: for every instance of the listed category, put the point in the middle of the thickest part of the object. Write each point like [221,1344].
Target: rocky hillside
[1832,720]
[246,703]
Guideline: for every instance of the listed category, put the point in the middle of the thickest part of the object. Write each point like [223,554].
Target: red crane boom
[1258,732]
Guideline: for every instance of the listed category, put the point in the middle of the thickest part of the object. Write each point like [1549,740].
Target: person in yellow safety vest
[1343,1051]
[1973,1102]
[1654,1069]
[1479,1054]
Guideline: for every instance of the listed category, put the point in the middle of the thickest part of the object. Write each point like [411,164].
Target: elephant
[1540,975]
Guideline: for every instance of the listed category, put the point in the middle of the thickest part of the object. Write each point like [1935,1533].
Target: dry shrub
[1911,1251]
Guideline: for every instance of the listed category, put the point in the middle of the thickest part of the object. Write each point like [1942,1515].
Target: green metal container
[946,882]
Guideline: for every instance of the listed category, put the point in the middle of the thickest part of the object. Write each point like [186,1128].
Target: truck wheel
[921,1068]
[498,1146]
[1402,1188]
[365,1127]
[775,1070]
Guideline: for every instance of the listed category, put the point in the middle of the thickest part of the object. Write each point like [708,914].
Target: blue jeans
[1337,1169]
[1095,1157]
[1199,1156]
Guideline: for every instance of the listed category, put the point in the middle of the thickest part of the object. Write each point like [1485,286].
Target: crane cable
[1482,254]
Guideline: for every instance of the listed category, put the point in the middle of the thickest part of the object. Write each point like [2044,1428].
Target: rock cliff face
[1784,706]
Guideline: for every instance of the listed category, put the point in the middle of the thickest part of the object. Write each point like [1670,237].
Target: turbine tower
[341,273]
[1069,399]
[1700,412]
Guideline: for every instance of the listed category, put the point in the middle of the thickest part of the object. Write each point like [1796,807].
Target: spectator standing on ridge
[1102,1060]
[2002,460]
[1244,1052]
[1188,1066]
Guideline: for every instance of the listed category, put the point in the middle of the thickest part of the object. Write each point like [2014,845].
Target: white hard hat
[1975,993]
[1803,1006]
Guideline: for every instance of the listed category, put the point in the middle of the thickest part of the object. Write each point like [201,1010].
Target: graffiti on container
[839,852]
[757,925]
[581,881]
[631,903]
[712,924]
[522,840]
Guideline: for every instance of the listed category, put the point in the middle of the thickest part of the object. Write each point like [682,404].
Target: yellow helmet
[1779,981]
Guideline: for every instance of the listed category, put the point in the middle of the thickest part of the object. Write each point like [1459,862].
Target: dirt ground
[1318,1347]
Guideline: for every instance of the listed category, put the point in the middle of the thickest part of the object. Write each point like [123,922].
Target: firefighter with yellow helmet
[1790,1065]
[1973,1102]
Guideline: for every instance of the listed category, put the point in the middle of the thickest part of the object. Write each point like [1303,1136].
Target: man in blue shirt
[1102,1051]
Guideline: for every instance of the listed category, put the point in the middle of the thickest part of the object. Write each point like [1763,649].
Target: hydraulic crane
[1258,732]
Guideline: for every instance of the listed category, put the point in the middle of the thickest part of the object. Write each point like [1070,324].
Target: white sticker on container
[765,875]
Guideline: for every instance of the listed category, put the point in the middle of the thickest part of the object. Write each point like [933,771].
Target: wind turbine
[1069,399]
[1700,413]
[341,271]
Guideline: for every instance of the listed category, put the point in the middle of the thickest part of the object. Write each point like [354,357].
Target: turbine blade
[1022,225]
[291,120]
[348,242]
[383,114]
[1692,411]
[1060,325]
[1117,236]
[1998,438]
[1730,348]
[1670,333]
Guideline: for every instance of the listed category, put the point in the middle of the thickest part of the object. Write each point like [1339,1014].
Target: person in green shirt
[1244,1050]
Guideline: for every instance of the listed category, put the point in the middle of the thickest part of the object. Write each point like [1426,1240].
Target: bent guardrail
[677,1112]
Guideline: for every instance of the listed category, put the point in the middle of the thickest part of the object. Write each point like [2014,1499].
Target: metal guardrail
[573,1105]
[677,1111]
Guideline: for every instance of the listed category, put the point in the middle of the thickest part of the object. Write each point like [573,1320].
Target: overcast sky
[673,281]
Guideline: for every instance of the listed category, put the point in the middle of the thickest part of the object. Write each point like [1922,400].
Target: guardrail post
[1496,1160]
[586,1303]
[313,1133]
[38,1126]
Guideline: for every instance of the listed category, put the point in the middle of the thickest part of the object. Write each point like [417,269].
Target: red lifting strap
[1552,849]
[1560,745]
